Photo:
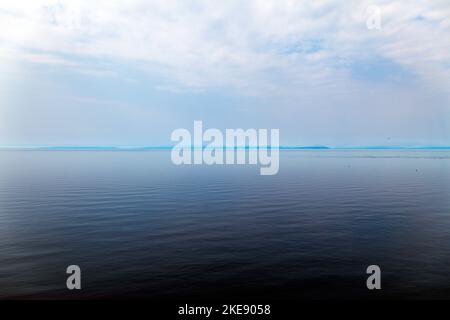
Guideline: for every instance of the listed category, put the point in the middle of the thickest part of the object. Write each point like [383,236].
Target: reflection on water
[139,226]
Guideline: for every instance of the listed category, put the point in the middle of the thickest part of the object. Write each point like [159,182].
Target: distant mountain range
[141,148]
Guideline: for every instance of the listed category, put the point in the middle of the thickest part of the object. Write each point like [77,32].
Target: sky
[328,72]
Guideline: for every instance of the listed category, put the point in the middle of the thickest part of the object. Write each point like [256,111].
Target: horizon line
[165,147]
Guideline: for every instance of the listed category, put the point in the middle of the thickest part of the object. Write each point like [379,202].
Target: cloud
[311,68]
[253,46]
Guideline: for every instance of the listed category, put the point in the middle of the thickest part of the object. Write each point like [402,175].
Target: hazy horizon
[286,147]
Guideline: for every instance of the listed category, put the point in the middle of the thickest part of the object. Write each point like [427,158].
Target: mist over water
[141,227]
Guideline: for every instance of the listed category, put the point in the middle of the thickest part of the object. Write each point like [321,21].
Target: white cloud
[254,46]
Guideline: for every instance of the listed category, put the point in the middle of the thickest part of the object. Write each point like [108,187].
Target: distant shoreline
[149,148]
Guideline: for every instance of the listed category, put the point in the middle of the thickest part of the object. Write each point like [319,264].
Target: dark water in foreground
[140,227]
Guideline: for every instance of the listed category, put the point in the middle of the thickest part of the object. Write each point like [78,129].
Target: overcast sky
[130,72]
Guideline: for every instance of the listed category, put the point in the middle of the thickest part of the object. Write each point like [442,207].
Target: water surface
[141,227]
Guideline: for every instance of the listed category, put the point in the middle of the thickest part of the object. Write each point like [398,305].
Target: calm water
[140,227]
